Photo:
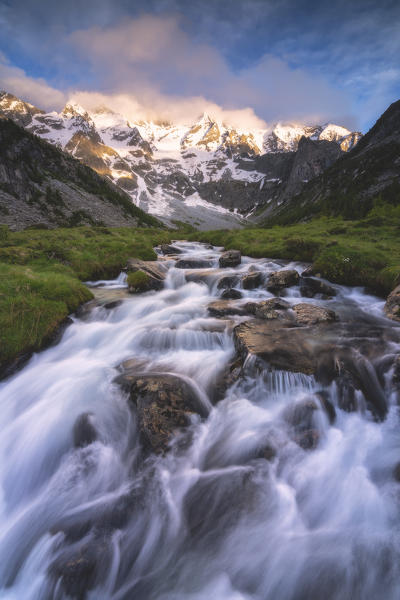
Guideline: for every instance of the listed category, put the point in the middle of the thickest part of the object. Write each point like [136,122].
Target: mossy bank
[358,253]
[41,274]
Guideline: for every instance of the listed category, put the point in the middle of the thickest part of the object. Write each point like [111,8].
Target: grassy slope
[41,273]
[364,252]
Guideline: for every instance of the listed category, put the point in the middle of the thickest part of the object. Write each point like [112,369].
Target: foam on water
[213,518]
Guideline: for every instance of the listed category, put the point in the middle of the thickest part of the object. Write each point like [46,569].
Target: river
[211,519]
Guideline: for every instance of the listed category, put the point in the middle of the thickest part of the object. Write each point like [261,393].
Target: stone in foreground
[230,258]
[281,346]
[165,404]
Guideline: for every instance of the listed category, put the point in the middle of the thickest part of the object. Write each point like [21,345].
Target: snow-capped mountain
[207,173]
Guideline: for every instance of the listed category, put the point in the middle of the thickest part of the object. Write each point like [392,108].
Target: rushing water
[209,521]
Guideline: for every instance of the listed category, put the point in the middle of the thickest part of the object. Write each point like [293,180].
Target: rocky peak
[73,109]
[16,109]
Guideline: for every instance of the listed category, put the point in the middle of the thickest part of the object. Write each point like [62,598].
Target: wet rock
[267,451]
[229,376]
[252,280]
[113,304]
[230,258]
[228,281]
[154,270]
[300,418]
[164,404]
[283,347]
[193,263]
[84,431]
[392,305]
[312,286]
[231,294]
[168,249]
[309,314]
[222,308]
[327,405]
[352,371]
[282,279]
[198,276]
[274,308]
[76,572]
[209,507]
[308,272]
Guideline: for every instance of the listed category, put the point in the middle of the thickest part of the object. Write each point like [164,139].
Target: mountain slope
[369,173]
[40,184]
[207,173]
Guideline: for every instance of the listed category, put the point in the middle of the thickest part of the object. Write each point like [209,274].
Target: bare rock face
[309,314]
[154,270]
[392,306]
[282,279]
[164,404]
[230,258]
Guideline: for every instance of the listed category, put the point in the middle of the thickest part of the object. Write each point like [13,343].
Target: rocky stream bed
[218,428]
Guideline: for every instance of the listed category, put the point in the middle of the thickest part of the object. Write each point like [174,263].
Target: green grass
[41,274]
[138,281]
[364,252]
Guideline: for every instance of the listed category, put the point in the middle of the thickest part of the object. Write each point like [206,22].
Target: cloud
[36,91]
[152,60]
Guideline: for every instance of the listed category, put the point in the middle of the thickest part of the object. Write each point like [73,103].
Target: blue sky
[252,61]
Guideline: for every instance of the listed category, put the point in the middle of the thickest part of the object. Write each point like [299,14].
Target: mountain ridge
[183,172]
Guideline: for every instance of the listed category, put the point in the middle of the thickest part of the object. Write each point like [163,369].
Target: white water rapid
[212,519]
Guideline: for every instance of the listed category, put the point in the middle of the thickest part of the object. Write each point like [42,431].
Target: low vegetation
[364,252]
[41,274]
[41,270]
[138,281]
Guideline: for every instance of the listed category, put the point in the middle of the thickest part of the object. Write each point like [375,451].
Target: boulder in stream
[252,280]
[193,263]
[300,417]
[282,279]
[313,286]
[164,403]
[231,294]
[153,278]
[228,281]
[276,342]
[223,308]
[310,314]
[168,249]
[392,306]
[274,308]
[230,258]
